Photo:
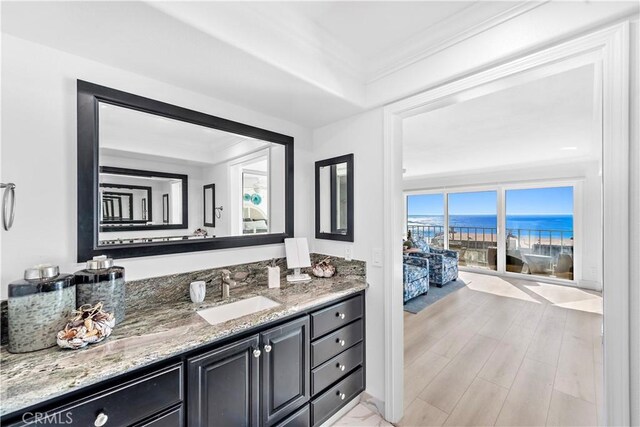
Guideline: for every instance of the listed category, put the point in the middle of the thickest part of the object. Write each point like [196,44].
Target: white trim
[427,43]
[612,46]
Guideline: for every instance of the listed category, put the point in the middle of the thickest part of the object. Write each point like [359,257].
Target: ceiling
[138,135]
[546,121]
[368,29]
[306,62]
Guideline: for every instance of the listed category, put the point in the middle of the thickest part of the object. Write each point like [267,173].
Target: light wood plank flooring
[505,352]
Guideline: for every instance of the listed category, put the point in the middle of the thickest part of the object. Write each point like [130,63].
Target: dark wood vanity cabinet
[226,385]
[153,399]
[295,373]
[223,386]
[285,369]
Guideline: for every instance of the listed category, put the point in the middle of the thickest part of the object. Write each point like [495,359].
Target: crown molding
[441,36]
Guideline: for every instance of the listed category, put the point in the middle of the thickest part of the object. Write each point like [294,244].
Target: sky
[536,201]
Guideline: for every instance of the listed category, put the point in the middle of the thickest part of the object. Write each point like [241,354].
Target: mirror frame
[89,95]
[348,236]
[146,173]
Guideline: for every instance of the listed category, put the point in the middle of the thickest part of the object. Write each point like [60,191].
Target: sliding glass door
[537,224]
[425,218]
[539,231]
[473,228]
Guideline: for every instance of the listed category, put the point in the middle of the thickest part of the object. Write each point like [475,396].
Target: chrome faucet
[226,283]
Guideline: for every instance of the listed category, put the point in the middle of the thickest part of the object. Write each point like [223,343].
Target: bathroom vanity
[293,365]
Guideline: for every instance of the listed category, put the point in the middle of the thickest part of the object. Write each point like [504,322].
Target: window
[473,228]
[425,218]
[538,223]
[539,231]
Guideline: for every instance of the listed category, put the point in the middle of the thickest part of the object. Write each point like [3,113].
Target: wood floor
[505,352]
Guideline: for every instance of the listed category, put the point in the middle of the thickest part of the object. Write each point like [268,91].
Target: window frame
[501,189]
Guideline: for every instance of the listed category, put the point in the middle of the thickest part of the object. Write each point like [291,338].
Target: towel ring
[218,212]
[7,218]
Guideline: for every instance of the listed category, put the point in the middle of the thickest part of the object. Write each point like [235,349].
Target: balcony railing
[477,246]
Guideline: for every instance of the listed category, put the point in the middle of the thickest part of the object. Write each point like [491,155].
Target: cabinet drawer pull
[339,366]
[340,315]
[341,395]
[101,420]
[341,342]
[267,348]
[256,353]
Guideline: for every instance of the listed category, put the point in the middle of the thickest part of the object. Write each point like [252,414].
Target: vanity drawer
[125,404]
[337,396]
[335,343]
[336,316]
[298,419]
[332,370]
[172,418]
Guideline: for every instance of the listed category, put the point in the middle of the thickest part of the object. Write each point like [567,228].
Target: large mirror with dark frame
[155,178]
[334,198]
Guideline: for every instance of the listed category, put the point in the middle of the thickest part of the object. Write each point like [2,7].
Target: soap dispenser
[101,281]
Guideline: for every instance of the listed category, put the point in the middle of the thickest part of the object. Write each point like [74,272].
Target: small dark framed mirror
[209,200]
[334,198]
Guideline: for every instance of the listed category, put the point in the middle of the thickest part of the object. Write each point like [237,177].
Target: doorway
[607,51]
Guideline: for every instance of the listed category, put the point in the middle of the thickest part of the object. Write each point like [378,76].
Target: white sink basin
[223,313]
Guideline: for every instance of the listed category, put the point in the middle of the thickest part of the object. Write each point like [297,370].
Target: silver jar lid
[100,262]
[42,271]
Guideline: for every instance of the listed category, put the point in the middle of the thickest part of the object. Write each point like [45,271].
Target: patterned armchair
[415,276]
[443,263]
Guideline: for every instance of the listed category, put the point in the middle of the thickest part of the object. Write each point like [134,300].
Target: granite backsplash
[175,287]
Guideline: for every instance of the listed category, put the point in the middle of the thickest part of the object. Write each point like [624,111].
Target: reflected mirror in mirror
[163,180]
[334,198]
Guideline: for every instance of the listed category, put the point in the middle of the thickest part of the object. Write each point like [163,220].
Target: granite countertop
[156,328]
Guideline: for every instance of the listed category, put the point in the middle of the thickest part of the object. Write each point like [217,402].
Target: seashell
[318,271]
[89,325]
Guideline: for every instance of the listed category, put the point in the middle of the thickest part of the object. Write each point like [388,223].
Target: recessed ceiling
[311,63]
[370,28]
[306,62]
[551,119]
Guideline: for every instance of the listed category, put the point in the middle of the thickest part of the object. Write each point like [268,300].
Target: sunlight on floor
[568,297]
[560,295]
[500,287]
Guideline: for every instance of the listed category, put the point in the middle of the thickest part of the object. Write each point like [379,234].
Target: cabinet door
[223,386]
[285,369]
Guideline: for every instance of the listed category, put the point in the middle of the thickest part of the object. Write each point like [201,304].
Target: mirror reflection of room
[163,179]
[333,198]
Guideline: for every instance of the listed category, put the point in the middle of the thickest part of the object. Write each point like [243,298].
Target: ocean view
[524,222]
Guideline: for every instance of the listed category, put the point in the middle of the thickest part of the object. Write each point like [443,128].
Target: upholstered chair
[415,276]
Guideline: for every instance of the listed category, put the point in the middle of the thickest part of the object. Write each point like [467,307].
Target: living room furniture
[443,263]
[415,272]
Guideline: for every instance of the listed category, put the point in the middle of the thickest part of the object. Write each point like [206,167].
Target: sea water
[546,223]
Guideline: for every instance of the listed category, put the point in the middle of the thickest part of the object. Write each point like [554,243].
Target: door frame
[608,50]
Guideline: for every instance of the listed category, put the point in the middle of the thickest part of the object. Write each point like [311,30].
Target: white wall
[588,218]
[39,155]
[362,136]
